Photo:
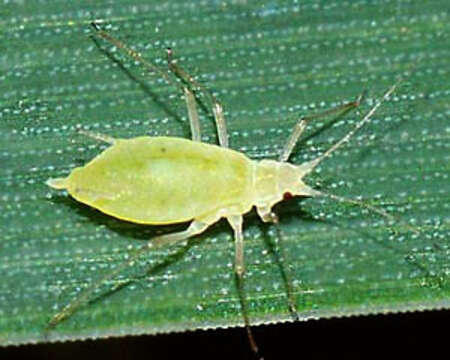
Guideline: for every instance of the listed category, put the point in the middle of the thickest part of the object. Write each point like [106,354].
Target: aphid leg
[239,268]
[133,54]
[302,122]
[193,115]
[266,214]
[309,166]
[196,227]
[221,124]
[195,85]
[185,77]
[97,136]
[188,95]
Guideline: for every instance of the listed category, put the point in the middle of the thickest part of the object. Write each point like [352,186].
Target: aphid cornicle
[166,180]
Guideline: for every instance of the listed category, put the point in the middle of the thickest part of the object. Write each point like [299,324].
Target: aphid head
[290,180]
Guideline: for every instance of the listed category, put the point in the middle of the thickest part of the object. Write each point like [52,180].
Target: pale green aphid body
[166,180]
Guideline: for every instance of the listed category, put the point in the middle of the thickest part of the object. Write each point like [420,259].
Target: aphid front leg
[267,215]
[196,227]
[236,223]
[301,125]
[217,108]
[311,165]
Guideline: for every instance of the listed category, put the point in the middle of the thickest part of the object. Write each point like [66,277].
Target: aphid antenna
[314,163]
[371,208]
[311,165]
[367,118]
[303,121]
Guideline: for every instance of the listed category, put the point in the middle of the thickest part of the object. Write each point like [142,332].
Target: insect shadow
[273,237]
[137,232]
[143,85]
[140,82]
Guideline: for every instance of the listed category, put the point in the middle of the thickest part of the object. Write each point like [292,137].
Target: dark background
[412,335]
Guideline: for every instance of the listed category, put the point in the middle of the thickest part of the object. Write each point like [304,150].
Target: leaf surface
[269,62]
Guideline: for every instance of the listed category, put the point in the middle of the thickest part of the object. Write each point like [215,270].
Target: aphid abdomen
[157,180]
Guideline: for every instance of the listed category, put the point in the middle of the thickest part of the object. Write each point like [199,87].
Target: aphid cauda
[166,180]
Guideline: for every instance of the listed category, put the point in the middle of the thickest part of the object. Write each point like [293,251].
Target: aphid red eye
[287,196]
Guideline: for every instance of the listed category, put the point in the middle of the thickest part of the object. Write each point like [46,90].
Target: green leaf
[269,62]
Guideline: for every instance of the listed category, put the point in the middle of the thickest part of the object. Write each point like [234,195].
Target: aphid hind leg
[235,222]
[132,54]
[302,122]
[188,95]
[196,227]
[97,136]
[194,85]
[220,124]
[193,115]
[185,77]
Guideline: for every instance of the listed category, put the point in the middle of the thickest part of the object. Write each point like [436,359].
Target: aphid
[167,180]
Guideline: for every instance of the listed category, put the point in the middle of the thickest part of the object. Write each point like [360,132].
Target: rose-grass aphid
[159,180]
